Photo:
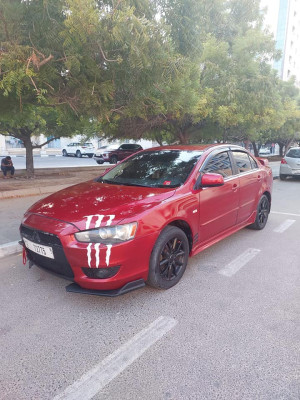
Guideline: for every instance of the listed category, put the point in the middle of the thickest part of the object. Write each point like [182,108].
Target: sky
[272,13]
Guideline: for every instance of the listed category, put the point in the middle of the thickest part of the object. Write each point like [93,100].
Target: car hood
[92,204]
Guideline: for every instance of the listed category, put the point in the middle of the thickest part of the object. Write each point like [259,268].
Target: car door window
[253,163]
[219,164]
[242,161]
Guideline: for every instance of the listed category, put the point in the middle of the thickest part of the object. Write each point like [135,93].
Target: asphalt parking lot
[229,330]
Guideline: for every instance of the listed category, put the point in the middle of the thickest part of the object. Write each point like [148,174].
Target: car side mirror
[208,180]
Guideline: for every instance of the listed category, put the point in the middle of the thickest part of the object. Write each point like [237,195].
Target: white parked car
[290,164]
[264,151]
[79,150]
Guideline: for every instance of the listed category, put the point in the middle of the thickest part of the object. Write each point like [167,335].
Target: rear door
[250,181]
[218,205]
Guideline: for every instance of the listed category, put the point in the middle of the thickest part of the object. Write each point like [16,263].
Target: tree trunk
[256,152]
[287,146]
[29,157]
[246,143]
[183,137]
[281,145]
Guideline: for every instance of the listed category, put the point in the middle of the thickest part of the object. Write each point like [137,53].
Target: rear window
[293,153]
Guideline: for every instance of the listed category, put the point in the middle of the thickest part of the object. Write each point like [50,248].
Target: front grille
[58,265]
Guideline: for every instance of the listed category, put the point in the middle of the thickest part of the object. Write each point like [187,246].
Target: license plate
[45,251]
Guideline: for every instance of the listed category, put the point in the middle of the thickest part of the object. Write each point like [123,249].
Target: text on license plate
[45,251]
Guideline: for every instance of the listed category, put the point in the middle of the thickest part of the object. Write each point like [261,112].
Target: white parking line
[108,369]
[284,226]
[234,266]
[283,213]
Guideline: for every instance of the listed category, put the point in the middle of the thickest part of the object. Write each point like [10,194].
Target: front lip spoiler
[138,284]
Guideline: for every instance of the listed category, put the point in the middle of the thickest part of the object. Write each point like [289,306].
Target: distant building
[283,20]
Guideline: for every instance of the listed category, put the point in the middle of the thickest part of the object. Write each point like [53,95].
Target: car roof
[199,147]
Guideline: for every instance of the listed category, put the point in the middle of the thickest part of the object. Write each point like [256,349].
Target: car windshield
[164,168]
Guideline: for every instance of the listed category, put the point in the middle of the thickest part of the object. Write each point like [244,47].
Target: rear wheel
[78,154]
[262,214]
[282,177]
[90,155]
[114,160]
[64,153]
[100,162]
[168,259]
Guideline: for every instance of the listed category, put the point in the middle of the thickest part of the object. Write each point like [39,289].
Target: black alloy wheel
[263,210]
[169,258]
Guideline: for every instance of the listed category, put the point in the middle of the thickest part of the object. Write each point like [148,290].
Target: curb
[9,249]
[31,192]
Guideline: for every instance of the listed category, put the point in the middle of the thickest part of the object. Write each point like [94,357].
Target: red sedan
[142,219]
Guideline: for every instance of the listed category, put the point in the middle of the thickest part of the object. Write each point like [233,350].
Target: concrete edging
[9,249]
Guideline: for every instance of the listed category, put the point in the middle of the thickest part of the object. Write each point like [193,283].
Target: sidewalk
[47,180]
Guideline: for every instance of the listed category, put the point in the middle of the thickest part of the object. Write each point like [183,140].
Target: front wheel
[114,160]
[262,214]
[64,153]
[168,259]
[78,154]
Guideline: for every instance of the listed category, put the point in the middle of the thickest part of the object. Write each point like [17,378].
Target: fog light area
[101,273]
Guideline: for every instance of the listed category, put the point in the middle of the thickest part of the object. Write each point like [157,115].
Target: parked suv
[113,154]
[79,150]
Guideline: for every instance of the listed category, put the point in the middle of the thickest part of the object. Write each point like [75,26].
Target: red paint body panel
[208,214]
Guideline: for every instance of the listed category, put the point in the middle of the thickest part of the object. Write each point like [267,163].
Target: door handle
[234,187]
[259,178]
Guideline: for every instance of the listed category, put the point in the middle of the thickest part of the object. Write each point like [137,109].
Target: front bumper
[99,159]
[72,258]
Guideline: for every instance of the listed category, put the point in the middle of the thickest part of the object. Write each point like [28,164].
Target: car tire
[263,210]
[99,162]
[64,153]
[168,259]
[282,177]
[114,160]
[90,155]
[78,154]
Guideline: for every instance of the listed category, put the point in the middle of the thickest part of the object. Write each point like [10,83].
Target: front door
[218,205]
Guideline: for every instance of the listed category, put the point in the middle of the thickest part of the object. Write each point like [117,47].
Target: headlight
[108,234]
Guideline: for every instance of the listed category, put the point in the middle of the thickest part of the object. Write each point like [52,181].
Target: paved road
[55,161]
[213,336]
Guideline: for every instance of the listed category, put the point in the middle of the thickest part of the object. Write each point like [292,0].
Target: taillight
[283,161]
